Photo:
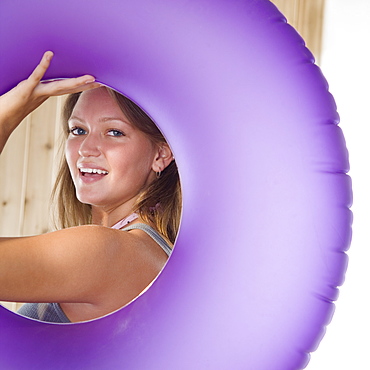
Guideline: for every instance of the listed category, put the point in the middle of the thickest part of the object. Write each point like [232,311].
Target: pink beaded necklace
[125,221]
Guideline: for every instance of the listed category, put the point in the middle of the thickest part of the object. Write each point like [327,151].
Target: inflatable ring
[263,163]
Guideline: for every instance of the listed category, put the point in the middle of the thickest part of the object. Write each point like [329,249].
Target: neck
[110,217]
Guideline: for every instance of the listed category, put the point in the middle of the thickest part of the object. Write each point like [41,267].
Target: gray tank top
[52,312]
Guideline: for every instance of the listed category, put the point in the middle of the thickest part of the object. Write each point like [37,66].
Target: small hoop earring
[158,174]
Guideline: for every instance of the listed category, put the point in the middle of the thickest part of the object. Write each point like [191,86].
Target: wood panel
[27,172]
[39,166]
[13,172]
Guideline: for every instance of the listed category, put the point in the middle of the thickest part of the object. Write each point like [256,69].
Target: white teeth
[93,170]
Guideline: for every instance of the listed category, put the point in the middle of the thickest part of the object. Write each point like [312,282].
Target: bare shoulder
[123,263]
[135,242]
[99,239]
[123,255]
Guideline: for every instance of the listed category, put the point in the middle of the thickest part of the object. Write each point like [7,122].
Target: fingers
[68,86]
[57,87]
[86,86]
[39,72]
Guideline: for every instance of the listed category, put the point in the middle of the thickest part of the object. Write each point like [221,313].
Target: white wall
[346,65]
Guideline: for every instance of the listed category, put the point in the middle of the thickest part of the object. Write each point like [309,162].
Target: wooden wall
[26,165]
[27,173]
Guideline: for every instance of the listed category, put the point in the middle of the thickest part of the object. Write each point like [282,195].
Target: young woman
[119,201]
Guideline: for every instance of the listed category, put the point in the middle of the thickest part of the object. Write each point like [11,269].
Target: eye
[77,131]
[116,133]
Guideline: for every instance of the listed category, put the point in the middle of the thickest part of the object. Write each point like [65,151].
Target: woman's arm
[29,94]
[91,264]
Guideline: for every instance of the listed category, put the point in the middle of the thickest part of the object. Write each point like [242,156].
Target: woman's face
[110,160]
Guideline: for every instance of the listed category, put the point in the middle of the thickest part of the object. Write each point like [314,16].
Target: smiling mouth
[92,171]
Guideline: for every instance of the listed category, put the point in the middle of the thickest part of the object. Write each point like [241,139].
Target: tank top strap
[153,234]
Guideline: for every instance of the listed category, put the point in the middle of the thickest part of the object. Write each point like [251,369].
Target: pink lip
[89,178]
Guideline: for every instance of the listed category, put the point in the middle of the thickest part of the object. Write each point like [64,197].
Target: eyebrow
[102,119]
[106,119]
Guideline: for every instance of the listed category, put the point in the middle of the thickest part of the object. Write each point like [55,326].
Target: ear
[163,158]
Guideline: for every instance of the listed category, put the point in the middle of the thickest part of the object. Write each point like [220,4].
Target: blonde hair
[159,204]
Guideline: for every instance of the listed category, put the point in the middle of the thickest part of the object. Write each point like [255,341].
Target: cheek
[71,152]
[137,157]
[144,157]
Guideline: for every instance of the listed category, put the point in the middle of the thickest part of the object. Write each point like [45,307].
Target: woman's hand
[29,94]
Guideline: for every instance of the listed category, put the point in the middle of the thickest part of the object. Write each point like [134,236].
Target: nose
[90,146]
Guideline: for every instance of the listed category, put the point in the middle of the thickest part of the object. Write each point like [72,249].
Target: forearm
[4,136]
[8,120]
[15,105]
[3,139]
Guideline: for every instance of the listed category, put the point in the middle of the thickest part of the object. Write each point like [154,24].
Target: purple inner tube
[263,163]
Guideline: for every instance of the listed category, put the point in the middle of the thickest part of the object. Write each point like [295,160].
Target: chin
[91,200]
